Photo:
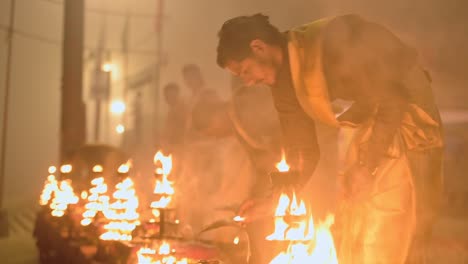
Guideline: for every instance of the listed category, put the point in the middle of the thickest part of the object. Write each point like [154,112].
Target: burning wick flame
[50,187]
[63,197]
[52,169]
[97,200]
[166,162]
[149,256]
[66,168]
[236,240]
[98,168]
[124,168]
[307,243]
[122,213]
[282,166]
[239,219]
[163,187]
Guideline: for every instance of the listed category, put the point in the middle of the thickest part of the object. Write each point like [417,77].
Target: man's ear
[258,46]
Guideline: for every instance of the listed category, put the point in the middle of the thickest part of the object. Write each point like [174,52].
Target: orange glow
[308,244]
[98,168]
[97,200]
[66,168]
[49,190]
[282,166]
[64,196]
[122,214]
[163,187]
[52,169]
[124,168]
[159,256]
[166,163]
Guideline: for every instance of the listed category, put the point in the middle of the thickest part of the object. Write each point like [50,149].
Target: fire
[122,213]
[63,197]
[66,168]
[307,243]
[161,256]
[282,166]
[50,187]
[163,188]
[98,168]
[166,163]
[97,200]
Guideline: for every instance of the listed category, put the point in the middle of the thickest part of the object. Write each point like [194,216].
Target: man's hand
[256,208]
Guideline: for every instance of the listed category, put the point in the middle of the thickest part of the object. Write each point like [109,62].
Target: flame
[84,195]
[49,190]
[236,240]
[98,168]
[166,163]
[161,256]
[163,187]
[66,168]
[52,169]
[239,219]
[124,168]
[97,200]
[64,196]
[282,166]
[308,244]
[122,213]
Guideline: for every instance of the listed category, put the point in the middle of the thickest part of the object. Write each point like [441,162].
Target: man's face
[258,68]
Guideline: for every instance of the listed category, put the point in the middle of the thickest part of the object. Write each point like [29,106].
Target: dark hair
[171,86]
[237,33]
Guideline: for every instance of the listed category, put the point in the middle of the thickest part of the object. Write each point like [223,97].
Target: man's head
[193,77]
[171,93]
[251,48]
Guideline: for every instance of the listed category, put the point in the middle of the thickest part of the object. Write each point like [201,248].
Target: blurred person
[392,184]
[176,119]
[195,83]
[218,168]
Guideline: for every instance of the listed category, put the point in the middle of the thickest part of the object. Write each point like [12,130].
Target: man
[392,184]
[195,83]
[176,119]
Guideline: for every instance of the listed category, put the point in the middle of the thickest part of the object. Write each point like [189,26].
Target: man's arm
[299,138]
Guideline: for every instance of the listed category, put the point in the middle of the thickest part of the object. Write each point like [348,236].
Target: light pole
[3,214]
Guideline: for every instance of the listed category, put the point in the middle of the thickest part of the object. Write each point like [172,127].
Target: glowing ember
[122,213]
[160,256]
[63,197]
[307,243]
[97,200]
[163,188]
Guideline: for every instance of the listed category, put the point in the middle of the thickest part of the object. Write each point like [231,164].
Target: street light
[118,107]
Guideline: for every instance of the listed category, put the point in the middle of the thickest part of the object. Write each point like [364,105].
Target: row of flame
[307,243]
